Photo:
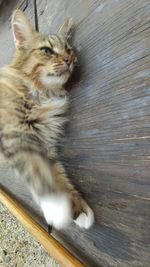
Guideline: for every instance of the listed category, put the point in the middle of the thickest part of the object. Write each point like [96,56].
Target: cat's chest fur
[44,96]
[48,113]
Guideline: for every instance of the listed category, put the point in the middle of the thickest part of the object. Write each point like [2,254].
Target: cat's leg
[82,214]
[59,200]
[38,174]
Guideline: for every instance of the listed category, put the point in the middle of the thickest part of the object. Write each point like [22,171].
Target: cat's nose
[67,61]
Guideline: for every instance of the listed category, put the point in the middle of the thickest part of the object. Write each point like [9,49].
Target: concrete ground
[17,247]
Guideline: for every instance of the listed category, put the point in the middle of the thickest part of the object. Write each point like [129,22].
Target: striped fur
[33,104]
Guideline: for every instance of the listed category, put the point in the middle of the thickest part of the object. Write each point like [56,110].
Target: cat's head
[47,60]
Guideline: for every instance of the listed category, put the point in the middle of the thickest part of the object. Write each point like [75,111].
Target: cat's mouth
[65,72]
[60,74]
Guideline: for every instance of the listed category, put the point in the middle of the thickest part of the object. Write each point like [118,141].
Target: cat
[33,106]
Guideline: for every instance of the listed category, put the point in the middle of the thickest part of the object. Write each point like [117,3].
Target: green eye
[47,50]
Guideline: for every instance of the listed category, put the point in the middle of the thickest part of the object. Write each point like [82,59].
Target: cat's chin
[51,80]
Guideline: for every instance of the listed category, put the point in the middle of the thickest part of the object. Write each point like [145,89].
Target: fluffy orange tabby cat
[33,103]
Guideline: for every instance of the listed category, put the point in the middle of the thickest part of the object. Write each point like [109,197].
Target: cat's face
[47,60]
[54,59]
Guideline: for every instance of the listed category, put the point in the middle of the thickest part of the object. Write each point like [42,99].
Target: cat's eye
[47,50]
[68,50]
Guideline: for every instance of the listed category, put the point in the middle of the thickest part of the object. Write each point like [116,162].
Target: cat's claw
[49,229]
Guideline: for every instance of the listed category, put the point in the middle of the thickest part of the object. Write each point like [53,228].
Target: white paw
[57,210]
[85,220]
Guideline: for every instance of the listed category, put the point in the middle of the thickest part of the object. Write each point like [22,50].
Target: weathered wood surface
[107,145]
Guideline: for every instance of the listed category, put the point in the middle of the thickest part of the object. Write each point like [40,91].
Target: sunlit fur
[33,104]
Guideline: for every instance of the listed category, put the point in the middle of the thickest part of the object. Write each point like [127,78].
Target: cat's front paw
[57,210]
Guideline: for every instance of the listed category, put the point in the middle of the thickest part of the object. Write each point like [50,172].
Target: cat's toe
[85,219]
[57,210]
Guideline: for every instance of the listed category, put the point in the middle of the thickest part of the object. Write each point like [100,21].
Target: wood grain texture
[106,149]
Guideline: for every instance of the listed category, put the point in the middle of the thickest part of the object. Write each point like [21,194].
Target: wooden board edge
[50,244]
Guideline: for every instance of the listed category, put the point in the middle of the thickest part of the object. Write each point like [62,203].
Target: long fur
[33,104]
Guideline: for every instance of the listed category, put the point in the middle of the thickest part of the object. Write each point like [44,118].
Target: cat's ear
[21,29]
[65,29]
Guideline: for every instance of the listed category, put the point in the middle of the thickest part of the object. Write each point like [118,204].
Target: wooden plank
[106,150]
